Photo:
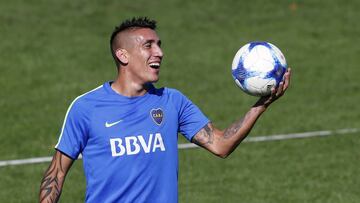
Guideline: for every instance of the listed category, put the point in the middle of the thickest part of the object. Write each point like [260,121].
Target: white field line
[287,136]
[191,145]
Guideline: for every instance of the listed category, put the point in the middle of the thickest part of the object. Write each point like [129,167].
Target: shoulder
[173,92]
[86,101]
[169,95]
[165,92]
[177,98]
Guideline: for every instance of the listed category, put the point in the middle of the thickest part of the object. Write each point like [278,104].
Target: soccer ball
[257,67]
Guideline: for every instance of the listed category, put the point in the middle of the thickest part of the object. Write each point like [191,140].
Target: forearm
[52,182]
[232,136]
[222,143]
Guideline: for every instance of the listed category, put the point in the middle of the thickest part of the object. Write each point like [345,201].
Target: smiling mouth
[155,65]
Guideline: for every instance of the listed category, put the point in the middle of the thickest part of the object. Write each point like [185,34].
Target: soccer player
[126,129]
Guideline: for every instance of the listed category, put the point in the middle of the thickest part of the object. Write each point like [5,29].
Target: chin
[154,81]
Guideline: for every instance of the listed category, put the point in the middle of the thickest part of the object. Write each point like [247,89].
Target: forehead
[143,35]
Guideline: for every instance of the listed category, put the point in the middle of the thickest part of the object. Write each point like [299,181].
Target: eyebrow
[153,41]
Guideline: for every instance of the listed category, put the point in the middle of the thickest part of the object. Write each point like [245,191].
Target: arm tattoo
[222,143]
[205,136]
[51,184]
[233,129]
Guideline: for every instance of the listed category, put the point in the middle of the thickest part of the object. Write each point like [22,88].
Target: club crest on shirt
[157,115]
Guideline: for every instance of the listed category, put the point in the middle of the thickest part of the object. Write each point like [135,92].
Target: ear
[122,55]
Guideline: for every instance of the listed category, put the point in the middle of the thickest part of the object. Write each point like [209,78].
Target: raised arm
[52,182]
[223,142]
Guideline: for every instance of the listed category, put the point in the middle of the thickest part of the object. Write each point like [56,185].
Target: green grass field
[52,51]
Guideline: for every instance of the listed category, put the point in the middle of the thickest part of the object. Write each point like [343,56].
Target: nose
[158,51]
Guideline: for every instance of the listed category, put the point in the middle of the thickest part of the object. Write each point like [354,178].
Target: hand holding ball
[258,67]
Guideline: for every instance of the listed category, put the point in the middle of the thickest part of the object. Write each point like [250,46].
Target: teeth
[155,64]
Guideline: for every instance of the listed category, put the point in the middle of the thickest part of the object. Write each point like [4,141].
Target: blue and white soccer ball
[257,67]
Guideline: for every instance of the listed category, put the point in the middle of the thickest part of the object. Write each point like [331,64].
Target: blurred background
[52,51]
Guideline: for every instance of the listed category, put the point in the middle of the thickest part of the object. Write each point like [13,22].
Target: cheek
[144,53]
[136,59]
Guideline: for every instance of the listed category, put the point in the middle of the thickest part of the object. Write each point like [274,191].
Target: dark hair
[135,22]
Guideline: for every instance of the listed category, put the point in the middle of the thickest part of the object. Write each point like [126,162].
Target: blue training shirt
[129,144]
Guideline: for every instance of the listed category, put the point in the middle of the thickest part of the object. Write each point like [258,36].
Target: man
[126,130]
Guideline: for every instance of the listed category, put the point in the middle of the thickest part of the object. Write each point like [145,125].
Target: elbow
[223,156]
[222,153]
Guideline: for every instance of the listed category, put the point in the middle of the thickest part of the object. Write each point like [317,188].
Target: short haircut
[135,22]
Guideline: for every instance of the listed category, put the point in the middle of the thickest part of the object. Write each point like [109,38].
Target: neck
[129,89]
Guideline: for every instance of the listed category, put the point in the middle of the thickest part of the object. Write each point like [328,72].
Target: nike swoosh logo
[108,125]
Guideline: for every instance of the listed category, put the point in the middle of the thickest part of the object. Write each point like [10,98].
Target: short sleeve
[74,132]
[191,118]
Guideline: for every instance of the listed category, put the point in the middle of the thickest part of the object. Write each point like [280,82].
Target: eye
[147,45]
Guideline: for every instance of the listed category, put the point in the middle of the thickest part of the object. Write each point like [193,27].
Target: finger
[273,92]
[280,89]
[287,77]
